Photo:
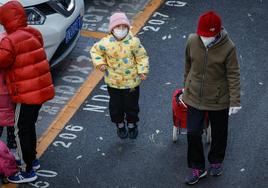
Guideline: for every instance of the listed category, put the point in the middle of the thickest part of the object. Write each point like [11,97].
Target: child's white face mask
[207,40]
[120,33]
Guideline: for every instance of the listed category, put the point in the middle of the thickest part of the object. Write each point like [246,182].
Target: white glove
[234,110]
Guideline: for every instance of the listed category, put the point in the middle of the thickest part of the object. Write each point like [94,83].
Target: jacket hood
[224,38]
[12,16]
[221,41]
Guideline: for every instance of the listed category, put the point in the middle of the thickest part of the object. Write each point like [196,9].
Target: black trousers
[124,104]
[219,130]
[26,117]
[11,142]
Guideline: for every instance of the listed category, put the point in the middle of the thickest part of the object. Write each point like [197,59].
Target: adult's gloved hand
[234,110]
[180,98]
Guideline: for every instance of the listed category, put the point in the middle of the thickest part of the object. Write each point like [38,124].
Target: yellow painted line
[68,111]
[87,87]
[143,16]
[138,21]
[10,185]
[92,34]
[65,115]
[73,105]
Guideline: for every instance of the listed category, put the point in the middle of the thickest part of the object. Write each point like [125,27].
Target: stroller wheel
[175,134]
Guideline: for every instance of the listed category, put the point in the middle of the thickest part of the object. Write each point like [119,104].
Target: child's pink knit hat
[118,19]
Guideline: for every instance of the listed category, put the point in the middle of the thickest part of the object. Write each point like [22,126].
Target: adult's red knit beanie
[209,24]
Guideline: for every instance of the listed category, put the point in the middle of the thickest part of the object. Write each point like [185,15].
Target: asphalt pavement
[88,154]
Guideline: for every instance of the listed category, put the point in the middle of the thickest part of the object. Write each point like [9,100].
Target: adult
[28,79]
[212,85]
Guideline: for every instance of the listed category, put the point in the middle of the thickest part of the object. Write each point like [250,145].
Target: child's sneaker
[195,175]
[121,130]
[215,169]
[23,177]
[36,164]
[132,130]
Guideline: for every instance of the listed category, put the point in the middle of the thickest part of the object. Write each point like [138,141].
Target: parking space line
[68,111]
[137,24]
[92,34]
[87,87]
[94,78]
[10,185]
[143,16]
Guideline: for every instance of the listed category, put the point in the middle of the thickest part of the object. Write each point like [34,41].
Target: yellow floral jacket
[125,60]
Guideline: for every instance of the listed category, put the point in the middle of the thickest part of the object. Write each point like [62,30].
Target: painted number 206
[68,136]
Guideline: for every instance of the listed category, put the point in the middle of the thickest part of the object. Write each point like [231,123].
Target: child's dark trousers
[124,104]
[11,141]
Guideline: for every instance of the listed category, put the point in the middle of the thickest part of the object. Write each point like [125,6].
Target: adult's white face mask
[207,40]
[120,33]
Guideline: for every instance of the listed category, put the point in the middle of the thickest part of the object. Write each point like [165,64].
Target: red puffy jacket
[7,108]
[22,54]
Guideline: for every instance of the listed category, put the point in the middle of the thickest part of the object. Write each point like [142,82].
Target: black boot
[132,130]
[121,130]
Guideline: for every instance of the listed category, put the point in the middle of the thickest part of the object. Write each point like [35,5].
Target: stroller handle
[180,98]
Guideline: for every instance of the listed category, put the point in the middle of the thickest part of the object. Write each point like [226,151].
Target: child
[7,119]
[7,113]
[28,79]
[125,62]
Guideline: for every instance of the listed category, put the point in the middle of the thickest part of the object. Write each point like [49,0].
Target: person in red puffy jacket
[28,80]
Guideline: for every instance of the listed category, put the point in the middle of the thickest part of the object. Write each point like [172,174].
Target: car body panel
[53,32]
[26,3]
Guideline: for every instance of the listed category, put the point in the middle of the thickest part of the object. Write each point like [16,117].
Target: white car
[59,21]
